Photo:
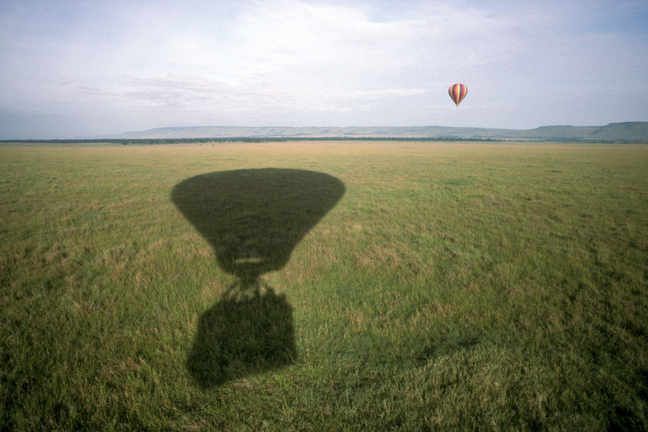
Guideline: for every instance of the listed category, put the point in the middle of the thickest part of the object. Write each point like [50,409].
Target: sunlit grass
[452,287]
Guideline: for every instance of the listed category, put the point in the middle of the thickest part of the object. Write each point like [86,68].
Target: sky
[84,69]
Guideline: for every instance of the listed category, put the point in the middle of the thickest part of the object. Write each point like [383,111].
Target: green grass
[324,286]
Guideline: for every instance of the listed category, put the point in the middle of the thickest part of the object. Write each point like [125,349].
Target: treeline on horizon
[159,141]
[154,141]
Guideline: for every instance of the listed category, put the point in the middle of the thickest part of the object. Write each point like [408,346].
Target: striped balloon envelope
[457,93]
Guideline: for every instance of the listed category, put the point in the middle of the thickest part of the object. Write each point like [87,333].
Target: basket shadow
[253,219]
[245,332]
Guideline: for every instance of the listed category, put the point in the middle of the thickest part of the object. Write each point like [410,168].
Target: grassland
[394,286]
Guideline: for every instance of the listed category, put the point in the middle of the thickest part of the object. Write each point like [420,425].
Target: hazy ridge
[627,131]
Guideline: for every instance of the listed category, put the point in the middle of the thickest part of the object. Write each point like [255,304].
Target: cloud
[357,62]
[195,92]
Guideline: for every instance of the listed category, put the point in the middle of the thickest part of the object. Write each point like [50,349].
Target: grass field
[306,286]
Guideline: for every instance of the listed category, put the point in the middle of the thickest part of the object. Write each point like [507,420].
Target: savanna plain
[324,286]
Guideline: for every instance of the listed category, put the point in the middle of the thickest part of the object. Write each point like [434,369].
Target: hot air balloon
[457,93]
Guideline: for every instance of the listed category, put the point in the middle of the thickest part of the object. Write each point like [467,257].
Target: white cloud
[337,62]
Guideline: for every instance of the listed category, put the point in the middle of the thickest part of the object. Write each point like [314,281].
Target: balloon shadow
[253,219]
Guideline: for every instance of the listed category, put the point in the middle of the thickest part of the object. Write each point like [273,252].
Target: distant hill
[629,131]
